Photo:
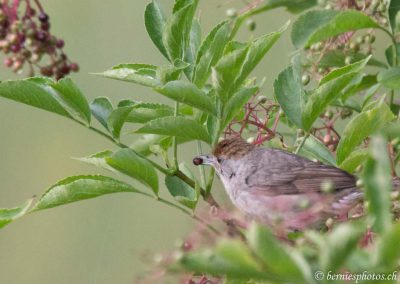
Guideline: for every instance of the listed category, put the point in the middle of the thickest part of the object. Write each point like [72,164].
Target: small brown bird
[279,188]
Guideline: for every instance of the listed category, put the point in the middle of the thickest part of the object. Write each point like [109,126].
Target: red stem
[39,6]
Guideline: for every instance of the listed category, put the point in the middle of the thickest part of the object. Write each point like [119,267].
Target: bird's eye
[219,160]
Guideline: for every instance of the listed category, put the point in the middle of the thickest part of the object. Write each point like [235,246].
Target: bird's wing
[280,172]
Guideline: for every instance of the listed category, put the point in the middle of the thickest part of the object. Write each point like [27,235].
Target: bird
[281,189]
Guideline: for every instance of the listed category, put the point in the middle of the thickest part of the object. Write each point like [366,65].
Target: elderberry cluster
[26,39]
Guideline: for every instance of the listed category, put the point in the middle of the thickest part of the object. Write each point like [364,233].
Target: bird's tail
[348,200]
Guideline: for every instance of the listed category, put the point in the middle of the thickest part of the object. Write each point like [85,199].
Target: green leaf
[81,187]
[176,34]
[171,72]
[210,51]
[234,67]
[394,8]
[386,255]
[293,6]
[142,74]
[101,109]
[7,215]
[315,26]
[361,84]
[31,93]
[391,52]
[117,119]
[154,20]
[378,185]
[236,103]
[308,23]
[99,160]
[278,259]
[72,99]
[337,58]
[142,144]
[193,47]
[360,127]
[313,148]
[180,190]
[257,50]
[329,90]
[176,126]
[231,258]
[128,162]
[352,161]
[144,112]
[354,67]
[189,94]
[290,95]
[226,71]
[340,244]
[390,78]
[179,4]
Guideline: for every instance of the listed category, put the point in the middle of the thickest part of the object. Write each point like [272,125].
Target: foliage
[208,83]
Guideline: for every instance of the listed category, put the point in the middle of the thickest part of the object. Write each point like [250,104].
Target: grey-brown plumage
[280,188]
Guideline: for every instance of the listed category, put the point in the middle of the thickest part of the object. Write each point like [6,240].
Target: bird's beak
[204,160]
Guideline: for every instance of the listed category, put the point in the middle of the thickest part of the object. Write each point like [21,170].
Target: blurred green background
[101,240]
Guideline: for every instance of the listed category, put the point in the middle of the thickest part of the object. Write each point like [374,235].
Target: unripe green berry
[384,22]
[354,46]
[382,7]
[231,12]
[328,114]
[262,99]
[329,223]
[305,79]
[250,140]
[251,25]
[348,60]
[345,113]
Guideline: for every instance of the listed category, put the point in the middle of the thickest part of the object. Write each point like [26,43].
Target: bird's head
[231,148]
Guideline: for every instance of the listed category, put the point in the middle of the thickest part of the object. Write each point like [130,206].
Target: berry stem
[39,6]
